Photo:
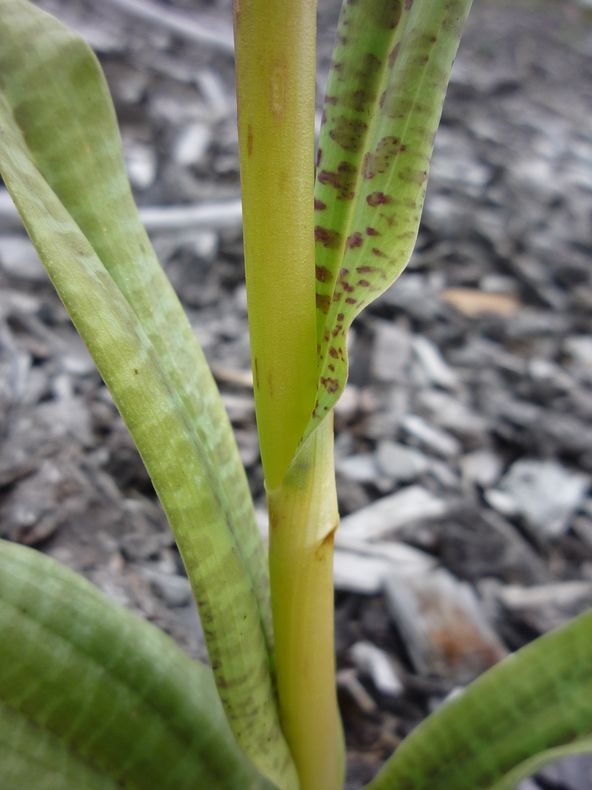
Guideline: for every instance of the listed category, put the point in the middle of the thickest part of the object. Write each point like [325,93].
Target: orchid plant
[93,697]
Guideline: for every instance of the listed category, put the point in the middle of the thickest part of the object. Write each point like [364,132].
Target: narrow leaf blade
[384,99]
[52,80]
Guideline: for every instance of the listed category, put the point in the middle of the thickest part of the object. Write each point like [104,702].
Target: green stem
[303,519]
[275,83]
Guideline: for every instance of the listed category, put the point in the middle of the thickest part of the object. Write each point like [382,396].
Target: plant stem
[303,519]
[275,83]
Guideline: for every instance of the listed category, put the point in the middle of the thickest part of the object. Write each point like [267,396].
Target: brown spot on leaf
[365,78]
[419,60]
[333,352]
[390,219]
[380,161]
[424,134]
[372,232]
[453,24]
[385,14]
[322,274]
[398,106]
[348,133]
[328,238]
[323,303]
[377,199]
[393,54]
[331,100]
[359,99]
[340,317]
[342,179]
[413,175]
[351,300]
[363,283]
[331,385]
[319,205]
[378,253]
[355,240]
[337,67]
[369,67]
[319,157]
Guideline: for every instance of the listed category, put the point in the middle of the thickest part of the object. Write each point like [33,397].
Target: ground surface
[464,445]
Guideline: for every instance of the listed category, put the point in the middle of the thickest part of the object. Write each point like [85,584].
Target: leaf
[275,77]
[536,702]
[92,696]
[534,764]
[61,160]
[386,88]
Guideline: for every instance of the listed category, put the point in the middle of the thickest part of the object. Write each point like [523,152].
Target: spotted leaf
[384,99]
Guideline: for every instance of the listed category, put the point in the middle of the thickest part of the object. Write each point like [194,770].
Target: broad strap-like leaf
[533,707]
[384,99]
[61,160]
[61,103]
[91,696]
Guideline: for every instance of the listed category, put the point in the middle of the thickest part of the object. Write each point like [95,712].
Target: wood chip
[187,26]
[375,663]
[444,626]
[393,512]
[472,302]
[546,606]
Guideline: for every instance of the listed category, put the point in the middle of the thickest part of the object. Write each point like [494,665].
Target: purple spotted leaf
[390,70]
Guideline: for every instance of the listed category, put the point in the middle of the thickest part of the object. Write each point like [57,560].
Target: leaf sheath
[275,76]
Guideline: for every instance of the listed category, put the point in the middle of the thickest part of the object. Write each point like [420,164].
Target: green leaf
[534,764]
[61,160]
[536,702]
[384,99]
[91,696]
